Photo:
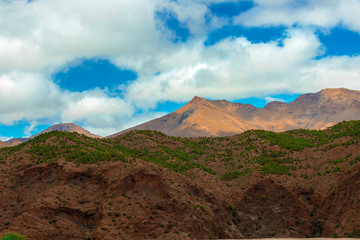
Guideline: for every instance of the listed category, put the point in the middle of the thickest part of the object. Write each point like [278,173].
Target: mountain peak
[337,91]
[197,99]
[274,105]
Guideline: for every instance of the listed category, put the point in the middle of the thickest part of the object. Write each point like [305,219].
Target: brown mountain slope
[201,117]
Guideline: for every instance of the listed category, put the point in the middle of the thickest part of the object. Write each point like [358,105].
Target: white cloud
[28,96]
[271,99]
[46,34]
[29,129]
[31,97]
[236,68]
[232,69]
[124,124]
[4,139]
[321,13]
[96,109]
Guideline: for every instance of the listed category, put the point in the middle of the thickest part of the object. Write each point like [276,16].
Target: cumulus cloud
[124,123]
[4,139]
[233,68]
[31,96]
[30,128]
[272,99]
[320,13]
[28,96]
[56,32]
[96,109]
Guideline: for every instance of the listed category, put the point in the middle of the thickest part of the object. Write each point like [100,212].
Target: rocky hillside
[144,184]
[201,117]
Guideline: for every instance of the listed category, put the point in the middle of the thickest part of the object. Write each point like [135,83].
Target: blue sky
[138,60]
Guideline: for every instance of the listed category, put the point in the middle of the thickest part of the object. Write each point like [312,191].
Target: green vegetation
[56,145]
[275,168]
[297,140]
[285,140]
[353,234]
[230,175]
[259,151]
[12,236]
[235,174]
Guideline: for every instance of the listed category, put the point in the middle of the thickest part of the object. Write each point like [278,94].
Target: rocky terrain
[145,184]
[201,117]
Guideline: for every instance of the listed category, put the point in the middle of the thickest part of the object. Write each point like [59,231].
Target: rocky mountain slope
[201,117]
[65,127]
[144,184]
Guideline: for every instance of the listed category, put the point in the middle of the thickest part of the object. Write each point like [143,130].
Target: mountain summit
[201,117]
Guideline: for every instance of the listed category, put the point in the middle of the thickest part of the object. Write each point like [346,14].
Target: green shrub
[285,140]
[13,236]
[274,168]
[354,234]
[230,175]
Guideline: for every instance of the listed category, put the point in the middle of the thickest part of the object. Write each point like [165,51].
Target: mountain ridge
[201,117]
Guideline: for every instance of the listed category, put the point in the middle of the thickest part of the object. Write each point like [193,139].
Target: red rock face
[111,202]
[201,117]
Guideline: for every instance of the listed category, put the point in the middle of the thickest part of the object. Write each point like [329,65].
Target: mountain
[148,185]
[64,127]
[13,142]
[67,127]
[201,117]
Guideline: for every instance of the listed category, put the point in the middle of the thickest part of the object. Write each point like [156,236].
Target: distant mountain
[13,142]
[65,127]
[201,117]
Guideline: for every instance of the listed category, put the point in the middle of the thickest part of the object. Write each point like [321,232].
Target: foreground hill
[144,184]
[64,127]
[201,117]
